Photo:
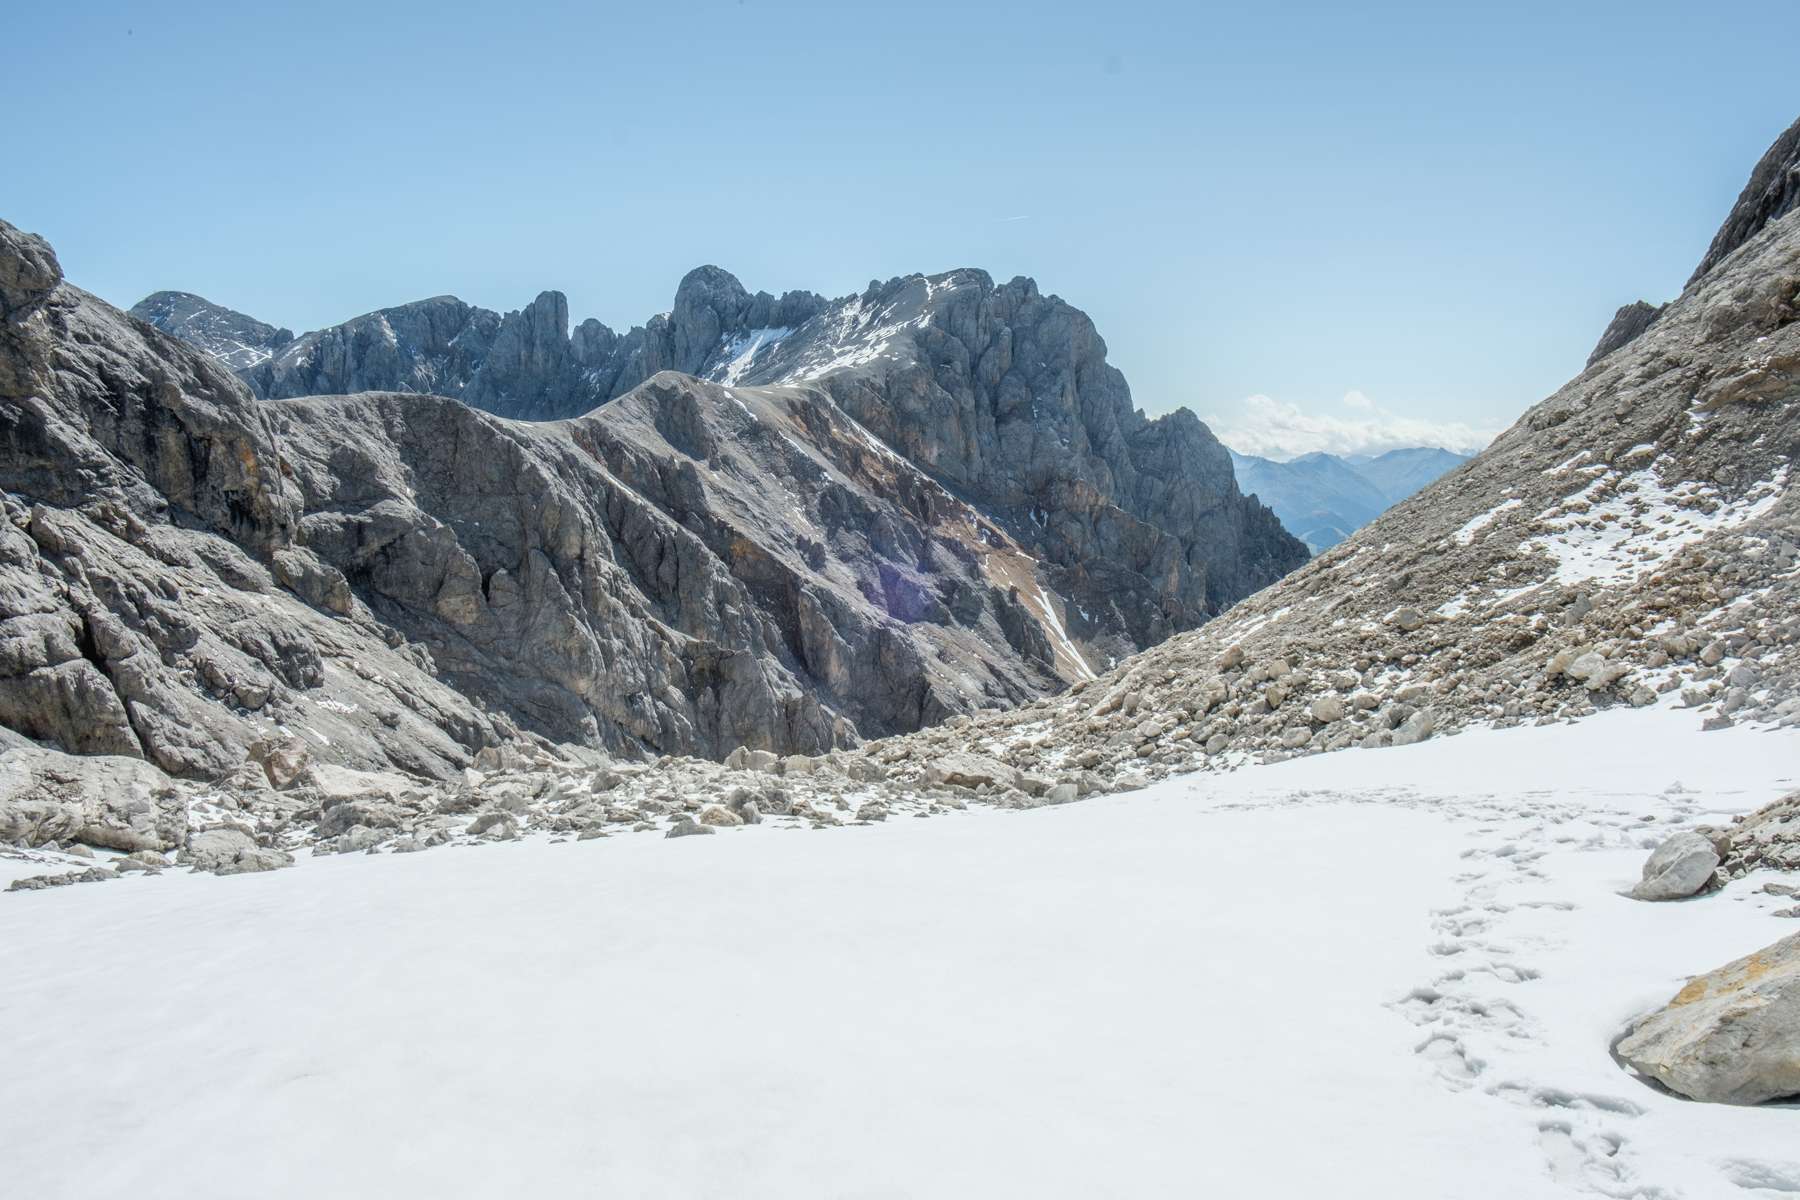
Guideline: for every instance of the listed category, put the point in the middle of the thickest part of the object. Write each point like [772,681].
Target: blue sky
[1390,222]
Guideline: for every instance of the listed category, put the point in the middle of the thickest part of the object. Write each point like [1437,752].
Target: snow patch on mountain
[1624,525]
[739,353]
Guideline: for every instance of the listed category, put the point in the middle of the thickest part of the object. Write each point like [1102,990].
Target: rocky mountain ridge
[1001,394]
[402,579]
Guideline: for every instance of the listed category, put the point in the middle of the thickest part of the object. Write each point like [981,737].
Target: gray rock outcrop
[1731,1036]
[226,851]
[1767,839]
[148,514]
[1004,396]
[526,365]
[1631,538]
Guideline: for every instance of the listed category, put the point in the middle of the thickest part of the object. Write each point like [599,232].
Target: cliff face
[1005,395]
[148,513]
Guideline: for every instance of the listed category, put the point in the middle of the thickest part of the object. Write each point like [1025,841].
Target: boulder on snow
[341,816]
[1731,1036]
[964,769]
[1680,867]
[746,759]
[284,763]
[102,800]
[687,827]
[718,815]
[331,784]
[232,852]
[495,826]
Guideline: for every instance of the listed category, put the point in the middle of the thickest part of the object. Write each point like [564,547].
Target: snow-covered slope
[1375,974]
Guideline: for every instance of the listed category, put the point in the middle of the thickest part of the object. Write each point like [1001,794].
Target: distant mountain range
[1323,498]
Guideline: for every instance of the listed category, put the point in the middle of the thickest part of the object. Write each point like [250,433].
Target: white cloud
[1279,429]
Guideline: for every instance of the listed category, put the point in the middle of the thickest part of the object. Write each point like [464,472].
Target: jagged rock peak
[1626,326]
[1773,190]
[711,305]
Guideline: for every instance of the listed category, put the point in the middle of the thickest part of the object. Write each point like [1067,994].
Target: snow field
[1388,973]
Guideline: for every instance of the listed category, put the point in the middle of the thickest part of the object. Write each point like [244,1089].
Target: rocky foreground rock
[1731,1036]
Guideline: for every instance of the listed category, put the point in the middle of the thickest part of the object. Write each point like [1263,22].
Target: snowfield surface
[1388,973]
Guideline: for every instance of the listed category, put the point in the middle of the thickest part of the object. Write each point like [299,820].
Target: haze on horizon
[1320,229]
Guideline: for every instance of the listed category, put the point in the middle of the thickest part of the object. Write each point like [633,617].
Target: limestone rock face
[145,496]
[1731,1036]
[527,364]
[434,345]
[1005,396]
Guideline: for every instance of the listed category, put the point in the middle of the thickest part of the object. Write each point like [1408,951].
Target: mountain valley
[731,754]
